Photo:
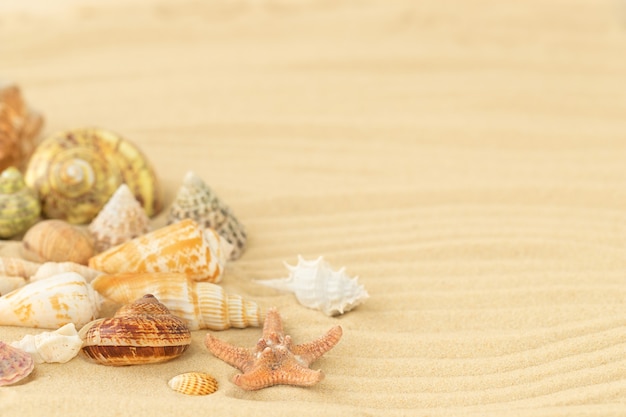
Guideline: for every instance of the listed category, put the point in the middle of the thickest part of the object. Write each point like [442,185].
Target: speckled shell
[318,287]
[17,267]
[59,346]
[15,364]
[57,241]
[180,247]
[19,205]
[75,172]
[19,127]
[193,383]
[121,219]
[48,269]
[202,305]
[139,333]
[51,303]
[197,201]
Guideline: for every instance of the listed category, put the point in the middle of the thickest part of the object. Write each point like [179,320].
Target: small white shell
[58,346]
[193,383]
[317,286]
[49,269]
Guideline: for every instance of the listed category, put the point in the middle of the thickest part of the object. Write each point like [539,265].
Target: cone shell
[19,205]
[48,269]
[139,333]
[59,346]
[181,247]
[197,201]
[121,219]
[50,303]
[193,383]
[57,241]
[17,267]
[202,305]
[15,364]
[75,172]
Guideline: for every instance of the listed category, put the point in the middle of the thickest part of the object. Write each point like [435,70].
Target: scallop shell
[51,303]
[17,267]
[139,333]
[75,172]
[193,383]
[57,241]
[121,219]
[318,287]
[19,205]
[180,247]
[196,201]
[59,346]
[8,284]
[19,127]
[49,269]
[15,364]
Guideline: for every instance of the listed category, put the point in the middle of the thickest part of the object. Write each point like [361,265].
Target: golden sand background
[466,159]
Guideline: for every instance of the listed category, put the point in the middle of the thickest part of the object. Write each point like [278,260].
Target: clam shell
[59,346]
[180,247]
[57,241]
[196,200]
[8,284]
[19,205]
[139,333]
[15,364]
[17,267]
[121,219]
[193,383]
[75,172]
[317,286]
[48,269]
[202,305]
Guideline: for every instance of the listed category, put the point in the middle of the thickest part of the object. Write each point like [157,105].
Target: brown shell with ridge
[57,241]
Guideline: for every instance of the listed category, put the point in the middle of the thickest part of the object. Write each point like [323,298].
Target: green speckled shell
[19,205]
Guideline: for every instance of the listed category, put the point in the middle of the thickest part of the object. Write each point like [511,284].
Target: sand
[465,159]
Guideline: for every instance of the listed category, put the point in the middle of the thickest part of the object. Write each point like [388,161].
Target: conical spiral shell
[15,364]
[48,269]
[57,241]
[75,172]
[19,205]
[180,247]
[193,383]
[59,346]
[8,284]
[202,305]
[17,267]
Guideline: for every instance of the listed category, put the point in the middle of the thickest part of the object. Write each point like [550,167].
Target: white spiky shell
[59,346]
[317,286]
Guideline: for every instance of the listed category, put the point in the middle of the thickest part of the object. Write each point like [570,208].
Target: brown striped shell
[193,383]
[57,241]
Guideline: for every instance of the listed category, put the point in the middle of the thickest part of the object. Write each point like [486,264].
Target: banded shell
[202,305]
[139,333]
[317,286]
[59,346]
[193,383]
[8,284]
[51,303]
[197,201]
[19,205]
[57,241]
[180,247]
[48,269]
[75,172]
[17,267]
[15,364]
[19,127]
[121,219]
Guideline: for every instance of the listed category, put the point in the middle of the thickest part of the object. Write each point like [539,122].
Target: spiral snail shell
[57,241]
[75,172]
[19,205]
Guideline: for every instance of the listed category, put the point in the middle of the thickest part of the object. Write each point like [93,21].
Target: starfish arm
[310,352]
[240,358]
[289,373]
[273,324]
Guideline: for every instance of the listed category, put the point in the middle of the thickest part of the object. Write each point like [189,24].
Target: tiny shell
[318,287]
[8,284]
[121,219]
[19,205]
[17,267]
[48,269]
[15,364]
[197,201]
[57,241]
[193,383]
[59,346]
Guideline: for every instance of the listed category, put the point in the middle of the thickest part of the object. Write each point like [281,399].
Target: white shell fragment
[318,287]
[59,346]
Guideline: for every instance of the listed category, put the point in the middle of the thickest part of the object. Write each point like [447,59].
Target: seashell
[180,247]
[51,303]
[15,364]
[49,269]
[121,219]
[8,284]
[59,346]
[19,127]
[202,305]
[57,241]
[193,383]
[139,333]
[17,267]
[196,201]
[317,286]
[75,172]
[19,205]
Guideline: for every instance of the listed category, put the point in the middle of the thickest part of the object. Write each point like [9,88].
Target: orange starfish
[274,360]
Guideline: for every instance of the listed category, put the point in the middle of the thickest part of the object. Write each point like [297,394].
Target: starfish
[274,360]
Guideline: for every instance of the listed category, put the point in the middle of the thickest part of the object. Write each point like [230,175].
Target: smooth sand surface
[466,159]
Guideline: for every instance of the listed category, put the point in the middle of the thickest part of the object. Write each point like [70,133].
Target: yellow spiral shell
[19,205]
[76,171]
